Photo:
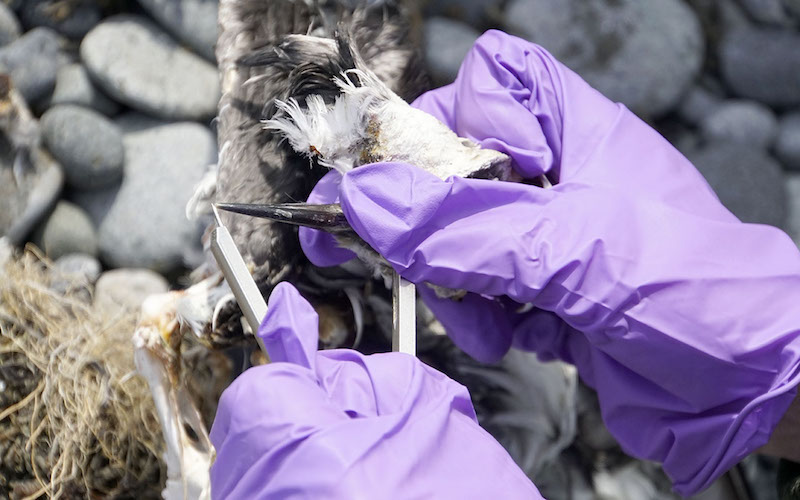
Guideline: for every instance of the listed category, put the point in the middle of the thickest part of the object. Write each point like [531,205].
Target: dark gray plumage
[258,65]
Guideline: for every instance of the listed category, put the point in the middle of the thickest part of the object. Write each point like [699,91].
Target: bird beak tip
[326,217]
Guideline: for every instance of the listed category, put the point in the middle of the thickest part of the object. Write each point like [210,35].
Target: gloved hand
[337,424]
[684,319]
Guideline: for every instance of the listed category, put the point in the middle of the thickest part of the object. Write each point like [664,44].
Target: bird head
[339,114]
[368,123]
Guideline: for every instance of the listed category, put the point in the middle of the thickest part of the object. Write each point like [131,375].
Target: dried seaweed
[75,420]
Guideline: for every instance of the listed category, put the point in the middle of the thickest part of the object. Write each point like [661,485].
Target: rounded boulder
[136,63]
[87,144]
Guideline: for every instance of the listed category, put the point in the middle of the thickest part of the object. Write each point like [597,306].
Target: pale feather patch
[369,86]
[196,309]
[204,192]
[333,134]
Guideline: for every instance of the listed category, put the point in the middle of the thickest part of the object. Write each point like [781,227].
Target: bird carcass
[255,166]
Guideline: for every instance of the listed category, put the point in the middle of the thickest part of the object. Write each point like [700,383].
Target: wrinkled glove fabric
[684,319]
[337,424]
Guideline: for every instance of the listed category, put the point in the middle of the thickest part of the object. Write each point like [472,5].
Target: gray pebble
[33,62]
[67,230]
[730,16]
[697,104]
[763,65]
[26,199]
[787,146]
[9,25]
[73,86]
[706,10]
[192,21]
[473,12]
[76,273]
[446,44]
[95,202]
[145,224]
[745,122]
[125,289]
[139,65]
[71,19]
[686,142]
[748,182]
[81,265]
[792,8]
[767,11]
[643,54]
[680,135]
[137,122]
[87,144]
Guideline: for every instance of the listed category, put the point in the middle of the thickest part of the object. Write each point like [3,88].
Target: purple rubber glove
[684,319]
[337,424]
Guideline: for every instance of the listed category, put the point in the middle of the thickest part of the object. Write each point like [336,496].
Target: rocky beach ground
[123,93]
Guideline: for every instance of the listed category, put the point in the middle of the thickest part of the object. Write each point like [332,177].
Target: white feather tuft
[335,134]
[369,85]
[197,307]
[200,202]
